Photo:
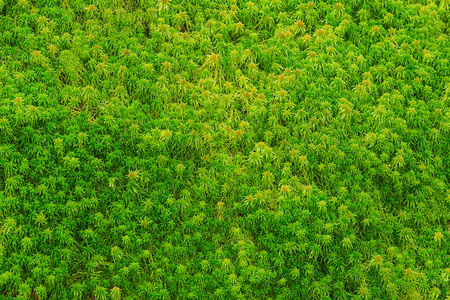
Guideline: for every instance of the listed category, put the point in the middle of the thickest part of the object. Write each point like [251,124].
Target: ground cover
[224,149]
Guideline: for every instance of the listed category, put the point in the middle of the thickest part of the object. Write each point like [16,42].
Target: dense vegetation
[213,149]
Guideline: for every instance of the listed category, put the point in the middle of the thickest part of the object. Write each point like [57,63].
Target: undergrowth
[224,149]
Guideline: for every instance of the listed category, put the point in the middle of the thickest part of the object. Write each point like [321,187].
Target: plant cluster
[212,149]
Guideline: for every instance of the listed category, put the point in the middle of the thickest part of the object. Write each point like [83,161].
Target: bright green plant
[267,149]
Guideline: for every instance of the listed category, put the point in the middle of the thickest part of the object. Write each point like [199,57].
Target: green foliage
[168,149]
